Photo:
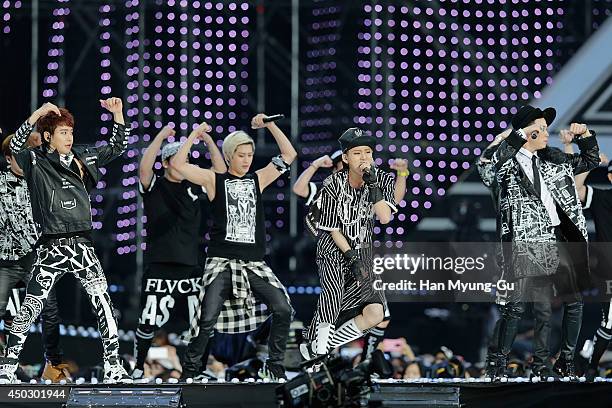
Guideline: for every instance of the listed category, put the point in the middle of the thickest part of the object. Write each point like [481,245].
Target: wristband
[280,164]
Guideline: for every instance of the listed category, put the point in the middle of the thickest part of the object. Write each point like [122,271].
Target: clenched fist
[202,131]
[323,161]
[166,132]
[113,105]
[258,123]
[400,165]
[579,129]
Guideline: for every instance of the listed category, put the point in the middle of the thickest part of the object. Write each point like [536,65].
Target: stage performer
[349,305]
[17,256]
[599,202]
[538,212]
[236,279]
[311,191]
[59,177]
[174,255]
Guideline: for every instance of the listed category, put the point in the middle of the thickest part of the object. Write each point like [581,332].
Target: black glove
[369,175]
[352,260]
[376,195]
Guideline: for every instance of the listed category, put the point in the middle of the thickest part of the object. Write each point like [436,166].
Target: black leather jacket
[60,197]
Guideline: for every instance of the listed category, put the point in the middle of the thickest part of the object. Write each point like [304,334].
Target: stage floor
[387,393]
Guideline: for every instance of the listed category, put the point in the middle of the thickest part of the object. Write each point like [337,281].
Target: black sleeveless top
[238,230]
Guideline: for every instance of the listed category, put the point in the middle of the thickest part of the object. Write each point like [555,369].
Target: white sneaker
[139,378]
[115,373]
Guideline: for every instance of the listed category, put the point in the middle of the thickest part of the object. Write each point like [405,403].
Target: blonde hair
[232,141]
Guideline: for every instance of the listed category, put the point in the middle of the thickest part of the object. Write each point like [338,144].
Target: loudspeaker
[125,397]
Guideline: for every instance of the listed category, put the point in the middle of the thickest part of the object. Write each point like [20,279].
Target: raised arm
[586,160]
[145,169]
[301,187]
[218,164]
[191,172]
[381,194]
[566,138]
[118,142]
[484,164]
[279,165]
[509,147]
[19,141]
[399,189]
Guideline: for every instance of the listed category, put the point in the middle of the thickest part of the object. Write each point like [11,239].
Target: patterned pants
[52,262]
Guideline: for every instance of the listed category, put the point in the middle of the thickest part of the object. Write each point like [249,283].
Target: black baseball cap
[527,114]
[354,137]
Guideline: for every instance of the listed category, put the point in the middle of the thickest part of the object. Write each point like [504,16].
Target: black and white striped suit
[348,210]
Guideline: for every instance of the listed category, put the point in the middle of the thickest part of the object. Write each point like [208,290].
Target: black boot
[544,372]
[565,368]
[495,367]
[273,371]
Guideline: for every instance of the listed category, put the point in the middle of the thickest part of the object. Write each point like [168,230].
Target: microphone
[273,118]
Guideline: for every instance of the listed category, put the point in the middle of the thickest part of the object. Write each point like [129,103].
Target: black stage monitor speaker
[125,397]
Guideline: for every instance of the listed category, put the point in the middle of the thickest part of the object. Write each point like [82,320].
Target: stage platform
[388,393]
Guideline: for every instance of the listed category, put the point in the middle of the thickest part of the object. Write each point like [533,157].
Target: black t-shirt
[600,203]
[238,230]
[173,221]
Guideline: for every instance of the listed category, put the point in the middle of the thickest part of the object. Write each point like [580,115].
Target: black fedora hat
[527,114]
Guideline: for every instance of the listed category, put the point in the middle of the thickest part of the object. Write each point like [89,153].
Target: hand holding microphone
[369,174]
[261,120]
[370,178]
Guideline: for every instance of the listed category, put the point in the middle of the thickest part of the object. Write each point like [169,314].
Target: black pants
[21,272]
[168,293]
[538,292]
[216,293]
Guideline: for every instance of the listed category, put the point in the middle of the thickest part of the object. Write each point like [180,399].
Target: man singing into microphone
[305,188]
[539,211]
[349,305]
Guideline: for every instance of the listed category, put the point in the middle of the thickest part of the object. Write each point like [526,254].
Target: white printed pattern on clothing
[240,207]
[19,231]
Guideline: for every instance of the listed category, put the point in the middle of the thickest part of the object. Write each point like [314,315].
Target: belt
[67,241]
